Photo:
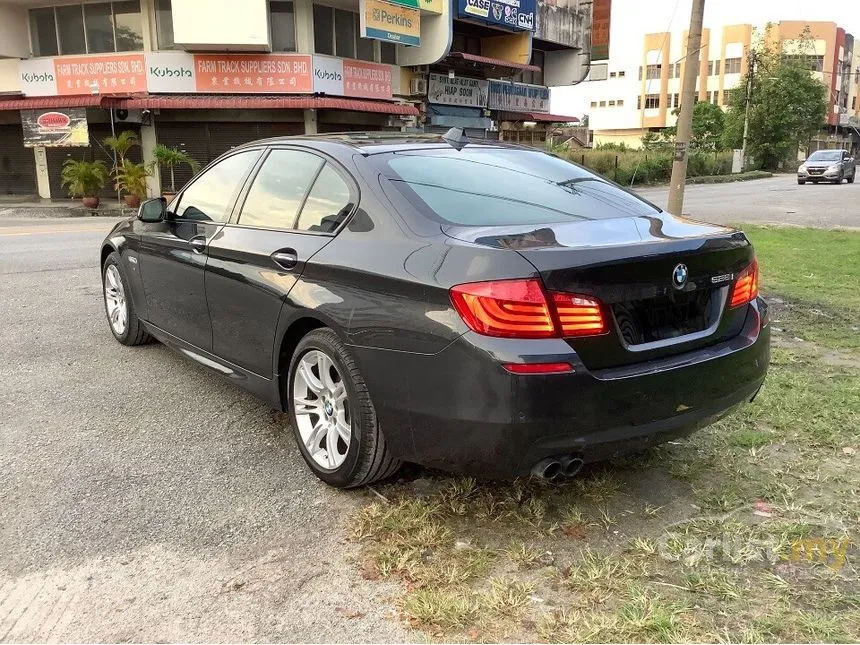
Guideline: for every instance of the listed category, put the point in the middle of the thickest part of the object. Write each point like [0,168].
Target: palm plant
[131,177]
[172,157]
[84,178]
[121,144]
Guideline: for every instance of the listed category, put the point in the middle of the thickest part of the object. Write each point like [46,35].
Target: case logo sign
[479,8]
[510,14]
[390,22]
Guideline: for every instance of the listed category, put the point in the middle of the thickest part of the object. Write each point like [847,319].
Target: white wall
[10,79]
[14,32]
[221,25]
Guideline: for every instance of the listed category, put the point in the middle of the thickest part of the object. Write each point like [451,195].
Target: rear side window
[500,187]
[279,189]
[328,203]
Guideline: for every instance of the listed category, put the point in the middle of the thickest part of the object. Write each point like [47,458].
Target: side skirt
[264,388]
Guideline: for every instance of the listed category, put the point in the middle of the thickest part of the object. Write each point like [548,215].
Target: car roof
[369,143]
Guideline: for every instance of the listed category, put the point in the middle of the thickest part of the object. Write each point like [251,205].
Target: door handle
[286,258]
[198,244]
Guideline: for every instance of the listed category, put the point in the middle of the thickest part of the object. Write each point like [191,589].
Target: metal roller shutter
[17,163]
[205,142]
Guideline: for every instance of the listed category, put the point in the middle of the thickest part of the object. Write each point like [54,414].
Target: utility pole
[750,82]
[685,119]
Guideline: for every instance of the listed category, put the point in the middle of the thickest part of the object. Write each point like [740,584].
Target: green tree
[787,105]
[708,126]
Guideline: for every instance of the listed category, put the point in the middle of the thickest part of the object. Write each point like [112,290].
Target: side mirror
[152,210]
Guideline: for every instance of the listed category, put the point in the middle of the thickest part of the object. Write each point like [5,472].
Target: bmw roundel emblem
[679,276]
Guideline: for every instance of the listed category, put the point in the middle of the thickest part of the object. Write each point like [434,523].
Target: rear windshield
[500,187]
[826,155]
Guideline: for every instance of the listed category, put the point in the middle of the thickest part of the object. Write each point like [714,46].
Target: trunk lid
[630,264]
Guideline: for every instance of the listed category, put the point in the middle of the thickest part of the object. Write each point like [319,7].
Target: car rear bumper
[460,410]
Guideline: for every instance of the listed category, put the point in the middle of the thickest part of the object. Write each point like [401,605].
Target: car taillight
[520,309]
[578,315]
[507,308]
[746,286]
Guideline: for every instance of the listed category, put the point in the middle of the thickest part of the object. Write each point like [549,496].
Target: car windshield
[486,186]
[826,155]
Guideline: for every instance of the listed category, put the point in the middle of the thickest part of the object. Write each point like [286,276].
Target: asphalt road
[144,498]
[778,200]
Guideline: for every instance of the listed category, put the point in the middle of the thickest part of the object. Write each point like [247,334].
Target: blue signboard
[512,14]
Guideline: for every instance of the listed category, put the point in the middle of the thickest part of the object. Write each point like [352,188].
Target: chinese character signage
[111,74]
[253,74]
[512,14]
[601,11]
[389,22]
[184,73]
[55,128]
[518,97]
[469,92]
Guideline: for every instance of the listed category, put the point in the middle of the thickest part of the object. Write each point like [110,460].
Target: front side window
[654,71]
[733,66]
[89,28]
[279,189]
[652,101]
[498,187]
[210,197]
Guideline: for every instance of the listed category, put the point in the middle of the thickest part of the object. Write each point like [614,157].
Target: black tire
[801,181]
[851,178]
[841,177]
[367,458]
[134,333]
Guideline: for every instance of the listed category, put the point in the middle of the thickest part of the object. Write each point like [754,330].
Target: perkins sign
[511,14]
[390,22]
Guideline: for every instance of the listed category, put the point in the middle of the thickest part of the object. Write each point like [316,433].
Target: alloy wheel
[321,408]
[117,308]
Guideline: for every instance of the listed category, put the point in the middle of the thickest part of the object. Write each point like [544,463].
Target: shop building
[207,75]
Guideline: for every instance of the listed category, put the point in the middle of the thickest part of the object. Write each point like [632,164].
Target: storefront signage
[253,74]
[184,73]
[55,128]
[512,14]
[430,6]
[390,22]
[469,92]
[518,97]
[112,74]
[355,78]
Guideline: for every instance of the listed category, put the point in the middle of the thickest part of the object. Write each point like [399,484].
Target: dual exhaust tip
[554,467]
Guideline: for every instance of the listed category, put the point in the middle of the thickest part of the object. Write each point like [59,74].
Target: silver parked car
[827,165]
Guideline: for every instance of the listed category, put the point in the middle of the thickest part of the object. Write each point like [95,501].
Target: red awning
[539,117]
[211,102]
[46,102]
[490,62]
[268,102]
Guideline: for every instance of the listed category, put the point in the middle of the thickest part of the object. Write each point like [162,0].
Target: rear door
[290,210]
[173,253]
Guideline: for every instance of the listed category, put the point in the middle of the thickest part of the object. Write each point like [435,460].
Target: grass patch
[746,531]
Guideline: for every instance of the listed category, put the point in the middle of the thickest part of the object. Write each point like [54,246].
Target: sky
[649,16]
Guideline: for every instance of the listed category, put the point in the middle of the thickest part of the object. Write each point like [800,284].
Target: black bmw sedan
[475,307]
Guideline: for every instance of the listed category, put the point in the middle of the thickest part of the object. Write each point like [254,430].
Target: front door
[173,253]
[293,206]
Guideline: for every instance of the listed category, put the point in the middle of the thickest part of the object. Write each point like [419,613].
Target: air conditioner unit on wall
[127,116]
[418,86]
